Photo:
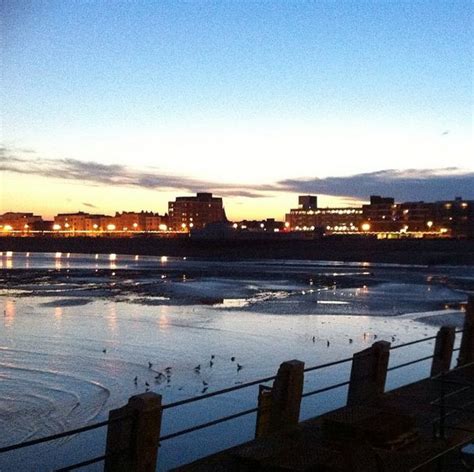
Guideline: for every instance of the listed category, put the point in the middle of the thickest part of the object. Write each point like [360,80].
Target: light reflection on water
[265,314]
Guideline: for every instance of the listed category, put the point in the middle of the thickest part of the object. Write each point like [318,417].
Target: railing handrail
[63,434]
[221,392]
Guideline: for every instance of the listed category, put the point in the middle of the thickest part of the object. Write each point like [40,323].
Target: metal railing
[223,419]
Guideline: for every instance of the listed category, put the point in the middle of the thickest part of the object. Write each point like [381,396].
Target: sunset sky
[112,105]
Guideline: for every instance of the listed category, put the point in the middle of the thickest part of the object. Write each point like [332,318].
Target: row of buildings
[384,217]
[184,215]
[381,216]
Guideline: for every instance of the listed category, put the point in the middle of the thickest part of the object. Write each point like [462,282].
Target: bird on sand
[204,382]
[197,369]
[135,380]
[239,367]
[232,358]
[328,343]
[211,363]
[104,350]
[150,365]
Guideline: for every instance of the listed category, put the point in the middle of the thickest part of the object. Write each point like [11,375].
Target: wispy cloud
[89,205]
[116,174]
[409,184]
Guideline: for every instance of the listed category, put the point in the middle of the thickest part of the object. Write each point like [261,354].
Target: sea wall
[405,251]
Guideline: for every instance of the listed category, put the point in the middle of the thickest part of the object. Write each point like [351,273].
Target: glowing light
[183,225]
[287,224]
[262,225]
[66,225]
[97,256]
[429,224]
[443,230]
[56,227]
[111,227]
[164,258]
[112,257]
[162,227]
[135,225]
[58,255]
[7,228]
[95,226]
[235,226]
[26,226]
[365,227]
[191,225]
[9,253]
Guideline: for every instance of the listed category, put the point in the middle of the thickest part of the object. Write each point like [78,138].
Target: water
[60,312]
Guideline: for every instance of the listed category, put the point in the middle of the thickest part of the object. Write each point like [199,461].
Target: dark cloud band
[411,184]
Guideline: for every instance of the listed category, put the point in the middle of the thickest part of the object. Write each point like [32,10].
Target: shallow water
[60,313]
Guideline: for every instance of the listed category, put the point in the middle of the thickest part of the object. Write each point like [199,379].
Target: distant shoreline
[405,251]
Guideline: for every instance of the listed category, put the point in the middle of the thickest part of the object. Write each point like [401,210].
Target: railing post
[262,427]
[282,405]
[368,373]
[466,354]
[443,350]
[132,443]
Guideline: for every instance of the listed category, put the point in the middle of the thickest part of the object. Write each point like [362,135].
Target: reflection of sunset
[112,317]
[9,313]
[163,322]
[58,314]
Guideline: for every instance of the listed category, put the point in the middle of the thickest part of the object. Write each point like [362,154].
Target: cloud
[116,174]
[90,205]
[403,185]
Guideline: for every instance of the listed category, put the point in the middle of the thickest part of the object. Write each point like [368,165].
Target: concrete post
[443,351]
[466,354]
[132,444]
[262,427]
[285,399]
[368,374]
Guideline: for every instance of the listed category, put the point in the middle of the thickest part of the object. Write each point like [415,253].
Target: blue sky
[239,95]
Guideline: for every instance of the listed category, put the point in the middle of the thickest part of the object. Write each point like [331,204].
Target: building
[74,222]
[443,218]
[307,202]
[308,217]
[24,222]
[139,221]
[187,213]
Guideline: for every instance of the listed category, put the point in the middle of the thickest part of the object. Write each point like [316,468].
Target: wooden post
[466,354]
[368,374]
[262,427]
[281,405]
[132,444]
[443,351]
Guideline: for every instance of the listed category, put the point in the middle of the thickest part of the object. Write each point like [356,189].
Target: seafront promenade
[361,249]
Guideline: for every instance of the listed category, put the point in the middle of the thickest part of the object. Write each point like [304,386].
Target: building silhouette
[187,213]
